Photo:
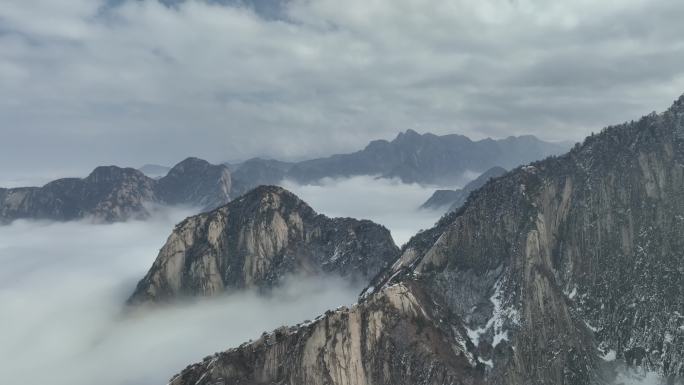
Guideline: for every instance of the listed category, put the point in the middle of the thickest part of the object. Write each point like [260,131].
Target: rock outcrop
[257,240]
[454,199]
[544,276]
[113,193]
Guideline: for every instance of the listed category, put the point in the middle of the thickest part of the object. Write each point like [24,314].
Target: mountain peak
[262,191]
[678,105]
[103,173]
[408,135]
[269,189]
[268,197]
[190,163]
[198,182]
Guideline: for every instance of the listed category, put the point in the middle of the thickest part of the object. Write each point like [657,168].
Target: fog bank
[386,201]
[62,286]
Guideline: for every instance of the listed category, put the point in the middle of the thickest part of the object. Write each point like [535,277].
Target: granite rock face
[257,240]
[454,199]
[387,339]
[113,193]
[541,277]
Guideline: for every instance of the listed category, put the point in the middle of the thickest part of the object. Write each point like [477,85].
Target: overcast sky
[88,82]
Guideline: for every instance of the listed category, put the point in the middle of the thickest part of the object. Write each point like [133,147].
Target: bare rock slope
[258,239]
[543,277]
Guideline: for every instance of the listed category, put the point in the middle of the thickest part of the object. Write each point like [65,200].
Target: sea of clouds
[63,286]
[62,290]
[388,202]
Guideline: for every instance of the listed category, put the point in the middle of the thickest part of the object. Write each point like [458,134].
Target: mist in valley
[62,290]
[388,202]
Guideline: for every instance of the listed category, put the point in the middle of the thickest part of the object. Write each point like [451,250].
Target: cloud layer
[89,82]
[62,286]
[388,202]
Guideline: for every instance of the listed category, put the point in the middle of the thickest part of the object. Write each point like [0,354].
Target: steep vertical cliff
[257,240]
[544,276]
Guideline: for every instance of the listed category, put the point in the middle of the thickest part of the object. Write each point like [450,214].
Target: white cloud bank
[388,202]
[62,286]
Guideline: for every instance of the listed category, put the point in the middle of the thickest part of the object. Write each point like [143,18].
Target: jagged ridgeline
[544,276]
[113,193]
[256,241]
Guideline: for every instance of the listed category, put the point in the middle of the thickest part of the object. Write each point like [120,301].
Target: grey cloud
[133,82]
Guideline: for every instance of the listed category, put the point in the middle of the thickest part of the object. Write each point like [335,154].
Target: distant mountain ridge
[113,193]
[440,160]
[427,158]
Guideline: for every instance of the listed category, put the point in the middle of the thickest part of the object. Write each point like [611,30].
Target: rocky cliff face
[112,193]
[544,276]
[387,339]
[257,240]
[454,199]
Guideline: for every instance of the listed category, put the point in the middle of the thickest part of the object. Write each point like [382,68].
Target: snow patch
[610,355]
[500,315]
[593,329]
[487,362]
